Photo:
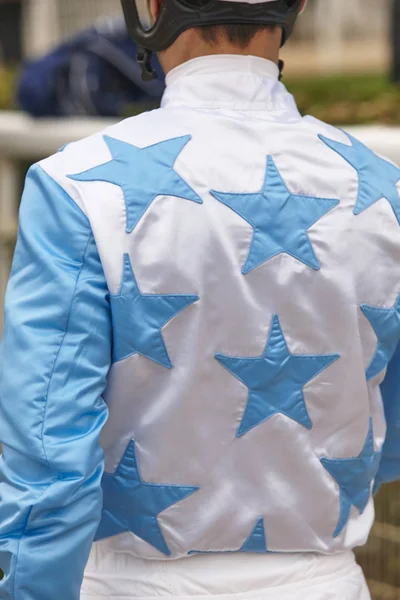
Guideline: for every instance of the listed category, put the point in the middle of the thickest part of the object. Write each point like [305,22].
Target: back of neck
[189,45]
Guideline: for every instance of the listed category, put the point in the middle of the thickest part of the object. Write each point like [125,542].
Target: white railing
[23,139]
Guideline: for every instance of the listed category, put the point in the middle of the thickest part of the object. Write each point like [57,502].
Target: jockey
[199,373]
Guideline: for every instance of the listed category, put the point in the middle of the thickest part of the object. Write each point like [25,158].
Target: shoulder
[371,141]
[79,157]
[314,137]
[347,155]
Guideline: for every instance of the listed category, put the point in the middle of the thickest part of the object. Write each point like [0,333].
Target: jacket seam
[17,554]
[14,580]
[251,108]
[62,190]
[90,236]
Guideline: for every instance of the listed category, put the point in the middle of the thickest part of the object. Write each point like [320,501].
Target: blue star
[386,324]
[143,174]
[280,220]
[139,318]
[256,542]
[354,477]
[377,177]
[129,504]
[275,380]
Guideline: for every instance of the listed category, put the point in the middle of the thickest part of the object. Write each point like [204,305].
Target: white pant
[119,576]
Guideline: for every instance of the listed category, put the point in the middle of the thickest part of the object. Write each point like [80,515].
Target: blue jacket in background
[94,73]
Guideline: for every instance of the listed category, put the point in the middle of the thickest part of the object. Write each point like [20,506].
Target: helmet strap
[144,60]
[281,65]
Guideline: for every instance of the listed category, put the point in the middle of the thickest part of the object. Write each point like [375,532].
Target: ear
[155,6]
[302,6]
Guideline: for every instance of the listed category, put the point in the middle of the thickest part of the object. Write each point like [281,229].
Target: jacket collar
[232,82]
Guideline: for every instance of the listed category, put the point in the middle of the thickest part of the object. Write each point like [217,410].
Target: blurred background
[70,63]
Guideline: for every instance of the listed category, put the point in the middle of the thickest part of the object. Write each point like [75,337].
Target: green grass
[8,79]
[348,99]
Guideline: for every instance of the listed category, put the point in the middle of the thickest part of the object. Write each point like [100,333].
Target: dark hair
[241,35]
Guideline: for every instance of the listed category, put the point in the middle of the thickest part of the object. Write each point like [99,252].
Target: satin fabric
[54,359]
[57,346]
[184,421]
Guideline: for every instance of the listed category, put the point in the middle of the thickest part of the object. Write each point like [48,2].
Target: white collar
[226,81]
[224,63]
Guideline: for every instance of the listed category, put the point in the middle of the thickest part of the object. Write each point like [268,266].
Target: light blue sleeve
[54,360]
[389,469]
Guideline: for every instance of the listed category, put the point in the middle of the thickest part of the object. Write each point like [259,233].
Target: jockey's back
[252,261]
[216,287]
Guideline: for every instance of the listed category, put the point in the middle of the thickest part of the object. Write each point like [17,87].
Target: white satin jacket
[208,293]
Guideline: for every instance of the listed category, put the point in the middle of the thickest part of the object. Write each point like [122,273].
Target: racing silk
[203,305]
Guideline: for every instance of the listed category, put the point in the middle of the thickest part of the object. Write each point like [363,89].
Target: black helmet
[178,15]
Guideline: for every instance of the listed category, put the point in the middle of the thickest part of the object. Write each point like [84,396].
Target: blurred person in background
[203,307]
[94,73]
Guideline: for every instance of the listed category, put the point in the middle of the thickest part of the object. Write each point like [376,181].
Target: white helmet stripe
[262,2]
